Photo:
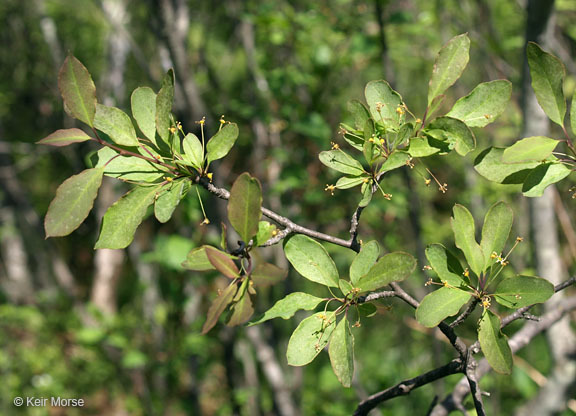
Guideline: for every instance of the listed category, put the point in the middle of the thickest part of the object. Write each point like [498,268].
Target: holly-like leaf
[341,161]
[222,262]
[364,260]
[143,101]
[65,137]
[311,260]
[359,112]
[346,182]
[489,164]
[536,148]
[116,124]
[164,101]
[309,338]
[193,151]
[78,90]
[547,73]
[484,104]
[543,176]
[221,143]
[449,65]
[496,229]
[124,216]
[127,168]
[168,200]
[267,274]
[445,264]
[439,305]
[244,206]
[464,237]
[519,291]
[494,343]
[341,352]
[218,306]
[391,267]
[287,307]
[456,133]
[73,201]
[395,160]
[383,102]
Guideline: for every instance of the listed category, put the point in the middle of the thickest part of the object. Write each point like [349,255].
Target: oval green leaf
[395,160]
[341,161]
[244,206]
[445,264]
[116,124]
[449,65]
[78,90]
[309,338]
[359,113]
[364,260]
[456,133]
[543,176]
[127,168]
[341,352]
[143,101]
[536,148]
[221,143]
[64,137]
[494,343]
[464,237]
[383,102]
[346,182]
[193,151]
[439,305]
[519,291]
[391,267]
[287,307]
[496,229]
[311,260]
[168,200]
[164,101]
[489,164]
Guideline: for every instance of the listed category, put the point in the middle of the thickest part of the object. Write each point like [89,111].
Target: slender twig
[471,366]
[376,295]
[465,314]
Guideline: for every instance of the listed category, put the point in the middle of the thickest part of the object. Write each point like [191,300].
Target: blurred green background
[120,329]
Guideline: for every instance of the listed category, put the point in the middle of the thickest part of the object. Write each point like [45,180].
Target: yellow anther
[205,222]
[335,146]
[519,239]
[179,125]
[487,116]
[172,129]
[274,233]
[426,268]
[330,188]
[168,179]
[418,120]
[366,180]
[466,272]
[486,302]
[209,176]
[400,110]
[382,141]
[493,255]
[427,181]
[222,121]
[201,122]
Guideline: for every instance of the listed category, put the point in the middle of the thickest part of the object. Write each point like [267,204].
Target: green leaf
[222,262]
[395,160]
[168,200]
[445,264]
[367,310]
[426,146]
[519,291]
[536,148]
[440,304]
[368,146]
[543,176]
[193,151]
[311,260]
[127,168]
[547,73]
[364,260]
[143,102]
[124,216]
[221,143]
[449,65]
[198,260]
[341,352]
[456,133]
[116,124]
[244,206]
[573,114]
[78,90]
[341,161]
[464,237]
[496,229]
[267,274]
[404,133]
[366,194]
[347,182]
[309,338]
[359,112]
[489,164]
[484,104]
[65,137]
[164,101]
[391,267]
[73,201]
[383,102]
[494,343]
[345,286]
[265,232]
[242,310]
[287,307]
[218,306]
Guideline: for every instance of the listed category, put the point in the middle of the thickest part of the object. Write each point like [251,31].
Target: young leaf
[164,101]
[244,206]
[267,274]
[221,143]
[78,90]
[341,352]
[484,104]
[445,264]
[143,101]
[426,146]
[72,203]
[395,160]
[127,168]
[547,73]
[265,232]
[168,200]
[193,151]
[346,182]
[359,112]
[198,260]
[345,286]
[404,133]
[287,307]
[494,343]
[531,148]
[364,260]
[519,291]
[496,229]
[543,176]
[124,216]
[383,102]
[116,124]
[449,65]
[456,132]
[464,237]
[242,310]
[311,260]
[218,306]
[309,338]
[391,267]
[366,194]
[489,164]
[341,161]
[368,146]
[65,137]
[222,262]
[439,305]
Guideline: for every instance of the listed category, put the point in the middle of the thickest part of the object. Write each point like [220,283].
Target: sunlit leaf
[78,90]
[445,264]
[440,304]
[193,151]
[489,164]
[65,137]
[383,102]
[221,143]
[391,267]
[494,343]
[127,168]
[364,260]
[198,260]
[287,307]
[168,200]
[535,148]
[543,176]
[265,232]
[496,229]
[164,101]
[395,160]
[309,338]
[456,133]
[116,124]
[244,206]
[347,182]
[426,146]
[519,291]
[341,161]
[359,112]
[449,65]
[218,306]
[143,102]
[465,238]
[311,260]
[341,352]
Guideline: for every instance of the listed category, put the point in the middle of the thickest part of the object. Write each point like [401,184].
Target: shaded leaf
[519,291]
[309,338]
[465,239]
[78,90]
[73,201]
[364,260]
[494,343]
[345,286]
[383,102]
[242,310]
[287,307]
[359,113]
[127,168]
[222,262]
[65,137]
[445,264]
[193,151]
[164,101]
[366,194]
[391,267]
[311,260]
[341,161]
[347,182]
[404,133]
[426,146]
[218,306]
[198,260]
[267,274]
[536,148]
[341,352]
[143,101]
[496,229]
[244,206]
[440,304]
[456,133]
[543,176]
[395,160]
[449,65]
[168,200]
[221,143]
[489,164]
[116,124]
